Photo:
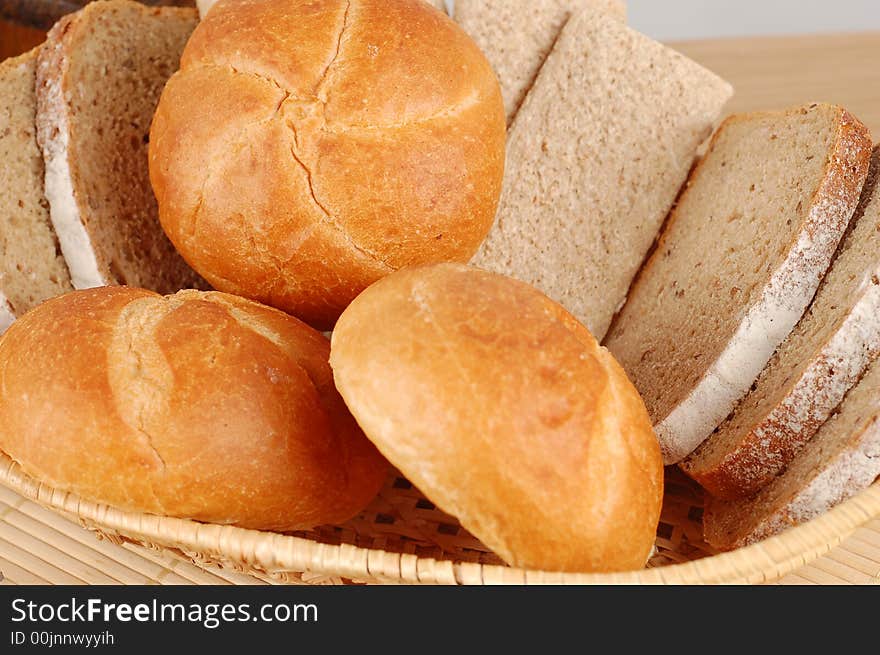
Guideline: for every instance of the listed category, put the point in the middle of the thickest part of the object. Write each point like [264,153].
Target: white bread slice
[595,159]
[204,5]
[811,371]
[843,459]
[517,35]
[742,255]
[99,78]
[31,266]
[7,318]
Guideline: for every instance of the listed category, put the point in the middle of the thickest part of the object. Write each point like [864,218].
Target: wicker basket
[403,538]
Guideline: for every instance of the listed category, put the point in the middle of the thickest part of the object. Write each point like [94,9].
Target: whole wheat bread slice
[811,371]
[517,35]
[596,157]
[31,266]
[842,459]
[99,78]
[738,263]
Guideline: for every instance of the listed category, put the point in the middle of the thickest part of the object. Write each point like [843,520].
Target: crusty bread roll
[307,149]
[196,405]
[503,409]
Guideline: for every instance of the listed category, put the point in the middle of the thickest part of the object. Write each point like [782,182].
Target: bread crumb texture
[741,258]
[812,370]
[843,459]
[99,79]
[597,155]
[517,36]
[31,266]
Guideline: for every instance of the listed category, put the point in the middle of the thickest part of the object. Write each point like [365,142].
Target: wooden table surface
[771,73]
[37,546]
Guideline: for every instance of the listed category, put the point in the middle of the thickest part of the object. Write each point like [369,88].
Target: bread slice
[517,35]
[99,77]
[31,266]
[738,263]
[596,157]
[843,459]
[811,371]
[204,6]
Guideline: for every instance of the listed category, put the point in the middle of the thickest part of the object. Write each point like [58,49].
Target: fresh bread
[840,461]
[808,376]
[99,78]
[597,155]
[197,405]
[517,36]
[506,413]
[31,266]
[738,263]
[6,315]
[204,6]
[307,149]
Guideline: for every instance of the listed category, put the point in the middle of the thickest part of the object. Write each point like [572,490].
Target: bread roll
[506,413]
[307,149]
[196,405]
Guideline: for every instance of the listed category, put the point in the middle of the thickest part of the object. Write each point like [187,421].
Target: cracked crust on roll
[361,137]
[197,405]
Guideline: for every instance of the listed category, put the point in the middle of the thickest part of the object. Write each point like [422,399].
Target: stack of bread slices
[741,294]
[76,207]
[702,283]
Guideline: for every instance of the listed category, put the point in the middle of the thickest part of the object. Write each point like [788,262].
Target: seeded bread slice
[843,459]
[811,372]
[596,157]
[31,266]
[517,35]
[99,77]
[738,263]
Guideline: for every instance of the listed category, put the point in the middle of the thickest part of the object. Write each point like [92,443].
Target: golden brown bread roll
[504,410]
[306,149]
[196,405]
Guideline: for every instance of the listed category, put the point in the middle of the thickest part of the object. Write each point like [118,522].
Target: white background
[672,20]
[694,19]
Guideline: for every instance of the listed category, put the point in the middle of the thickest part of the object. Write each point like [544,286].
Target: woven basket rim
[273,552]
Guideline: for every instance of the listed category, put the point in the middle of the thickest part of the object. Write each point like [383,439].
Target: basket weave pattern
[403,538]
